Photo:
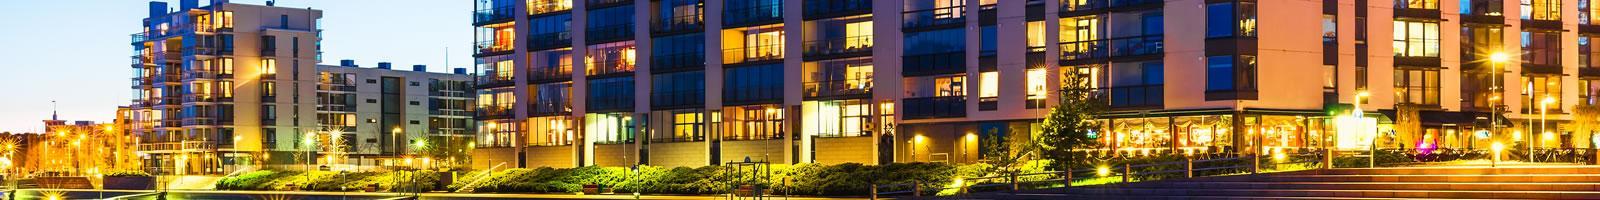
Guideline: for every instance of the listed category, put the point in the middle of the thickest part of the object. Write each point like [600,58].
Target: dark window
[611,94]
[550,31]
[608,24]
[1484,7]
[1479,42]
[1220,20]
[372,101]
[1230,73]
[751,12]
[1588,51]
[677,15]
[753,84]
[1417,86]
[1541,48]
[933,42]
[551,99]
[415,103]
[283,21]
[678,52]
[678,89]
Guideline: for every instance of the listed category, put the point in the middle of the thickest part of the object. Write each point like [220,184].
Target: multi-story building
[224,85]
[218,85]
[383,116]
[712,81]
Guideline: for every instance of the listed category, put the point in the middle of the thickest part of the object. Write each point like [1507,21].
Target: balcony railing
[448,93]
[677,62]
[838,88]
[501,13]
[935,107]
[606,3]
[340,88]
[542,41]
[1136,96]
[1090,5]
[449,112]
[935,17]
[610,32]
[536,7]
[550,108]
[492,47]
[678,24]
[824,8]
[934,64]
[677,98]
[738,17]
[1116,47]
[611,66]
[137,37]
[838,46]
[550,73]
[752,53]
[491,79]
[495,112]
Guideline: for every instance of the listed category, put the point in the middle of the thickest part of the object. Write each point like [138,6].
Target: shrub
[127,173]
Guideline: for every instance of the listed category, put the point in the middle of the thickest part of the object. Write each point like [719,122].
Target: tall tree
[1072,124]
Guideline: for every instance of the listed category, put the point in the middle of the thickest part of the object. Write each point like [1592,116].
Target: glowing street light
[1497,147]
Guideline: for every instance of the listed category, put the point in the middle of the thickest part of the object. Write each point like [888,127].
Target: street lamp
[1544,107]
[1496,60]
[1372,161]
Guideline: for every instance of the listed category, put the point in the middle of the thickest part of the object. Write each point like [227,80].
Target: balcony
[608,33]
[816,9]
[1086,7]
[137,38]
[493,15]
[550,108]
[838,46]
[546,41]
[677,62]
[538,7]
[490,79]
[449,112]
[596,4]
[1138,96]
[484,48]
[678,24]
[448,93]
[752,54]
[934,64]
[948,16]
[200,121]
[549,74]
[337,88]
[935,107]
[753,15]
[834,88]
[495,112]
[1111,48]
[610,68]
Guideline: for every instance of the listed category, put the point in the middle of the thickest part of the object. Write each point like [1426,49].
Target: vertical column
[713,70]
[793,40]
[520,71]
[580,65]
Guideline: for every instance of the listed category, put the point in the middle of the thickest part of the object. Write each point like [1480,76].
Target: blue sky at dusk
[77,52]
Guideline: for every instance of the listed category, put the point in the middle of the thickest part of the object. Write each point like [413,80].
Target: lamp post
[1372,161]
[1496,60]
[1544,107]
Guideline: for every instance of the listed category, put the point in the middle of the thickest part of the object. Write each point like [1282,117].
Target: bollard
[1013,182]
[1067,182]
[1188,168]
[1327,159]
[874,191]
[916,189]
[1255,164]
[1126,172]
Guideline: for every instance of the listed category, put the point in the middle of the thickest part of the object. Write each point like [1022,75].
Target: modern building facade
[221,86]
[383,116]
[700,82]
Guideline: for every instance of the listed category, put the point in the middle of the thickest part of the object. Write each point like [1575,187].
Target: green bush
[255,180]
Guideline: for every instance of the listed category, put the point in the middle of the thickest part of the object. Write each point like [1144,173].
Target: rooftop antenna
[53,115]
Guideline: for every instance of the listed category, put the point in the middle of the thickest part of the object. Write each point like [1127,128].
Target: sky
[77,52]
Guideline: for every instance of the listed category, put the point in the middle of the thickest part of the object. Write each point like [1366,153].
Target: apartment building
[224,86]
[708,82]
[389,117]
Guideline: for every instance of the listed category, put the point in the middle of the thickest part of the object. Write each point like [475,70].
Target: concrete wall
[552,156]
[483,158]
[679,154]
[611,155]
[845,150]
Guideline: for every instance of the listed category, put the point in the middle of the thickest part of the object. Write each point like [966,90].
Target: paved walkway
[313,195]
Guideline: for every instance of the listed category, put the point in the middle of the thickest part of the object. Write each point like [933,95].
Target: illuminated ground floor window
[550,131]
[609,128]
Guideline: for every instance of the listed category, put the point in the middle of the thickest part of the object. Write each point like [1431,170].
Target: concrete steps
[1514,182]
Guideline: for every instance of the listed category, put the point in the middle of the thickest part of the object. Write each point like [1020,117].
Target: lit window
[1416,39]
[1036,34]
[1417,86]
[1036,84]
[989,83]
[1541,10]
[858,35]
[269,67]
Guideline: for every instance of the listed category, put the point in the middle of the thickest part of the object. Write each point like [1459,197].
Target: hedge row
[331,181]
[802,179]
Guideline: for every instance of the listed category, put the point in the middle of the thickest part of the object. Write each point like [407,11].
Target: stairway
[1453,182]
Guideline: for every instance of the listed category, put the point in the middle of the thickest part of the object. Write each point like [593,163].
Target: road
[37,194]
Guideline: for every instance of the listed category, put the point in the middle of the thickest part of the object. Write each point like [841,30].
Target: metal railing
[752,53]
[543,41]
[934,64]
[935,107]
[934,17]
[610,32]
[550,73]
[489,47]
[492,14]
[838,87]
[609,66]
[734,17]
[677,23]
[1115,47]
[830,7]
[835,46]
[1136,96]
[678,61]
